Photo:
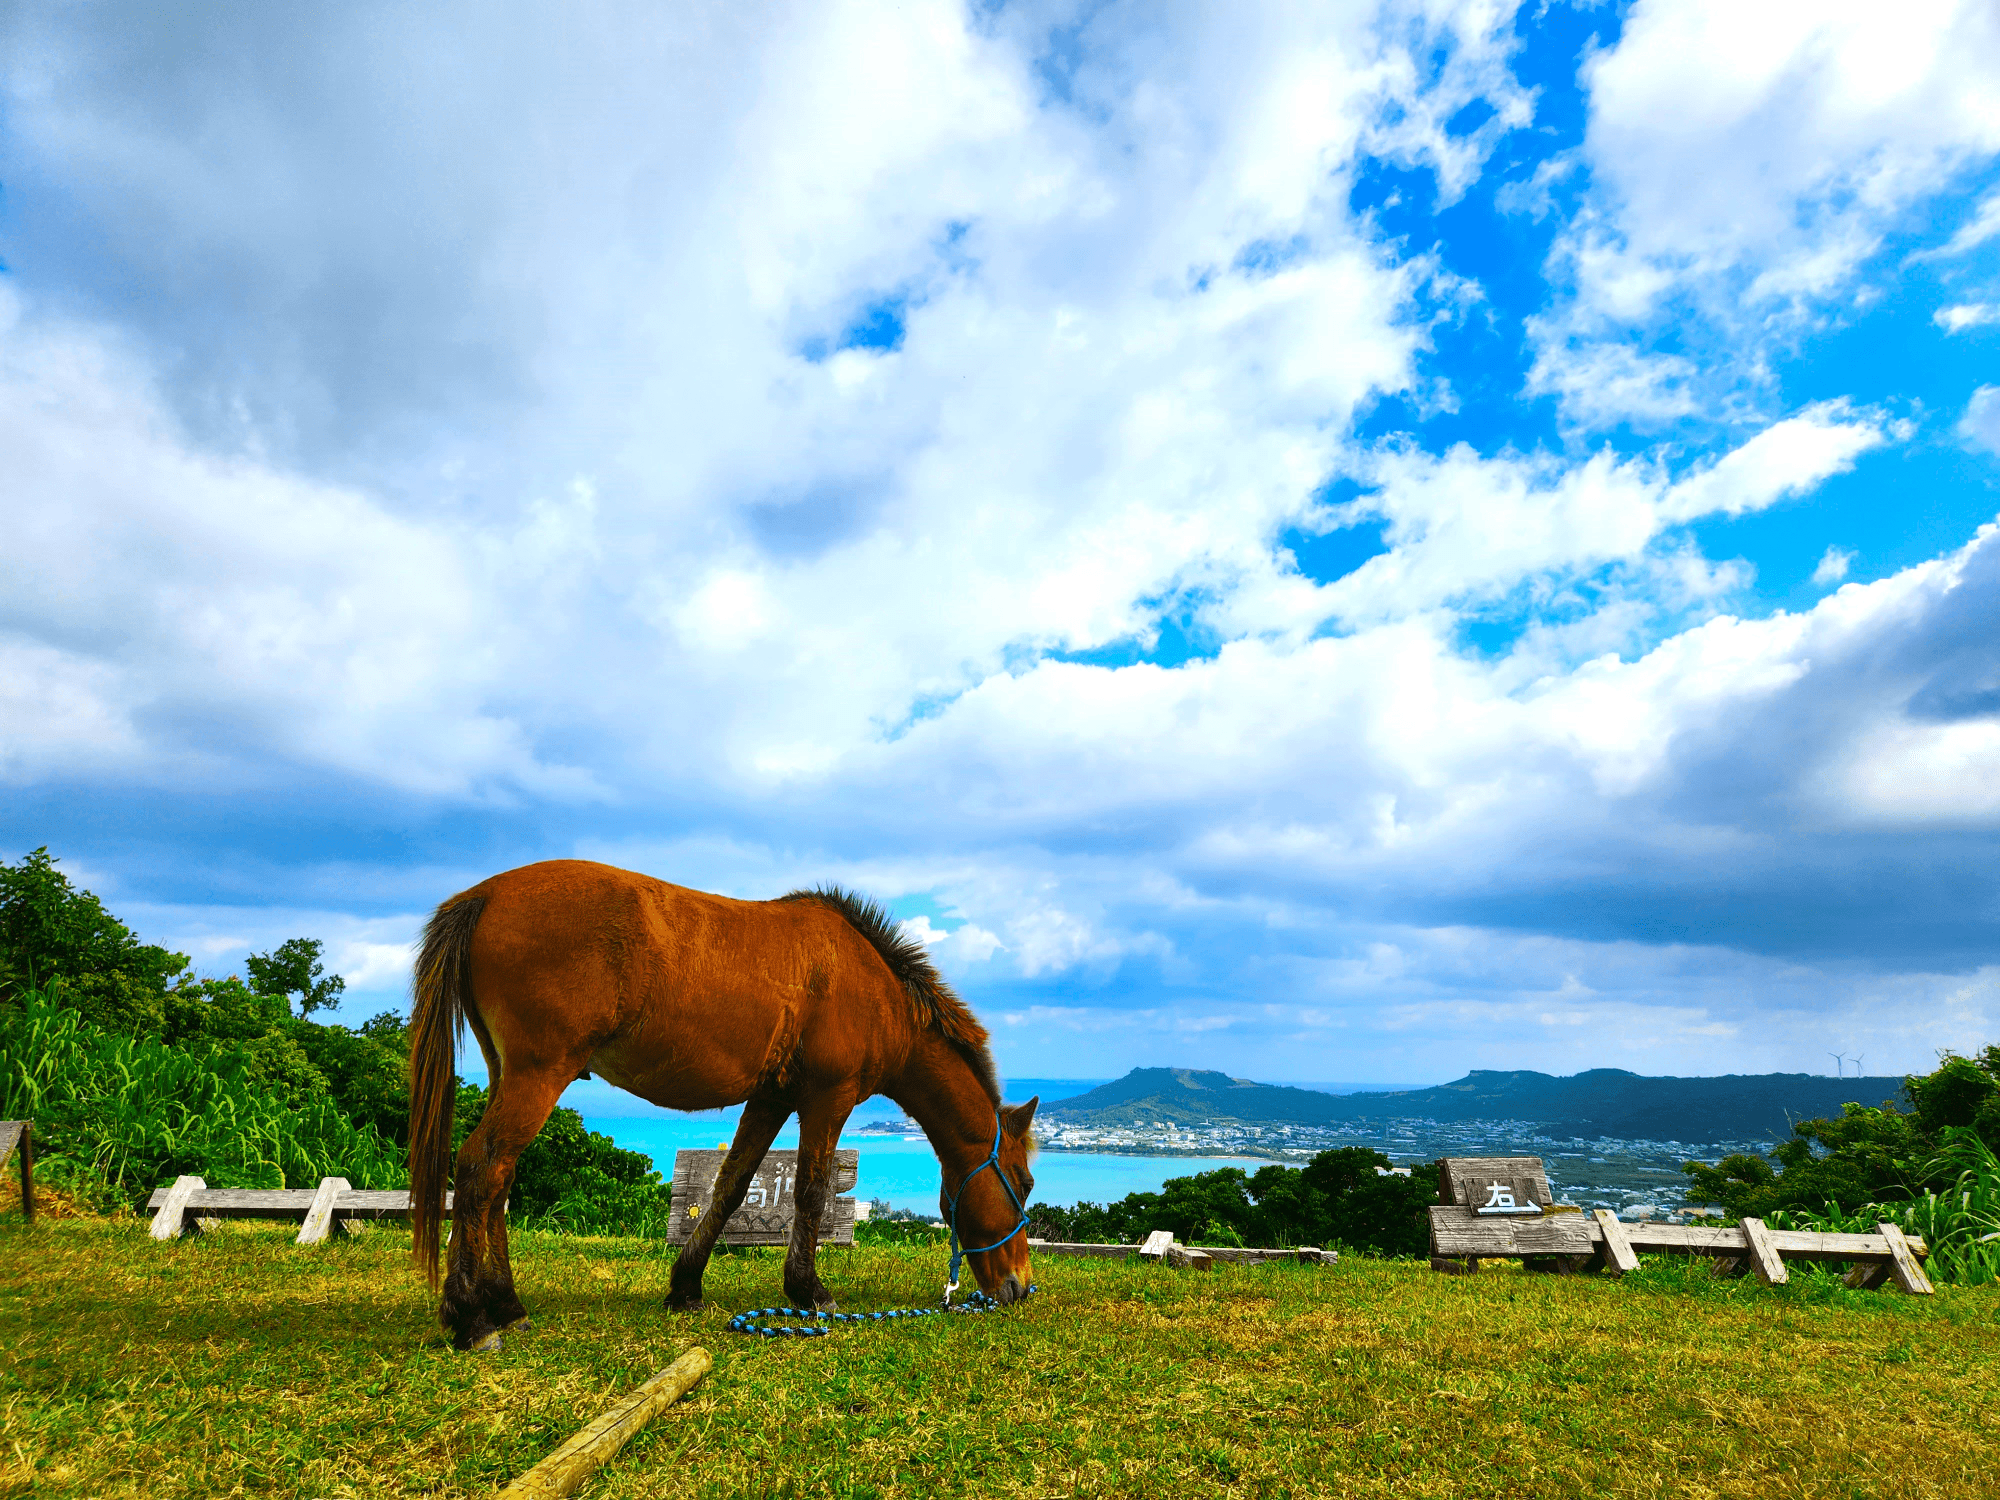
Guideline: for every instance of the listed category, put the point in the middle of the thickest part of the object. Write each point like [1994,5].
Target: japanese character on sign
[1500,1200]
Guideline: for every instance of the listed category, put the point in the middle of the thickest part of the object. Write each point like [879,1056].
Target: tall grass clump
[115,1116]
[1959,1219]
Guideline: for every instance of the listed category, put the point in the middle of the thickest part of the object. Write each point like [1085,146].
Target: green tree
[367,1072]
[1863,1155]
[1339,1197]
[294,968]
[50,931]
[1963,1092]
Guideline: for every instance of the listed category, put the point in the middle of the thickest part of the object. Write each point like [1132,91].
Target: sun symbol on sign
[694,1211]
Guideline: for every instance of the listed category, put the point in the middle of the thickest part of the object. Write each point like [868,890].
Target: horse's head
[993,1203]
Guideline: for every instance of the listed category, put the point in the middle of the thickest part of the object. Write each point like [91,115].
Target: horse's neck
[940,1091]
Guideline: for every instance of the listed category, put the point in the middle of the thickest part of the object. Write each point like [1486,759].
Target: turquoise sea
[900,1169]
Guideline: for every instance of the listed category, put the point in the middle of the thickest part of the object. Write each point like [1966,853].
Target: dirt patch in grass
[239,1363]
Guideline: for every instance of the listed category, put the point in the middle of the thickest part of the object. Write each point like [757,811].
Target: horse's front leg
[819,1135]
[759,1126]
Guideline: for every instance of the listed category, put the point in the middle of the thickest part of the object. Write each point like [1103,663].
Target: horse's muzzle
[1011,1290]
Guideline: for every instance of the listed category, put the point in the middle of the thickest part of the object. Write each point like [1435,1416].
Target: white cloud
[1785,459]
[1976,231]
[1780,142]
[1961,316]
[1980,426]
[1832,566]
[472,442]
[1467,528]
[1744,165]
[1601,384]
[966,943]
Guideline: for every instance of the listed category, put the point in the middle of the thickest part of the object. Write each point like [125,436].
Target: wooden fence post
[1763,1257]
[319,1218]
[171,1219]
[1619,1257]
[1903,1265]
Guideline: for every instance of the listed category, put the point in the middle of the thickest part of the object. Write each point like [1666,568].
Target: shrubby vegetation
[1931,1169]
[136,1070]
[1338,1199]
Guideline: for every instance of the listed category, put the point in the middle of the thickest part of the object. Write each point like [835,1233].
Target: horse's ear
[1021,1116]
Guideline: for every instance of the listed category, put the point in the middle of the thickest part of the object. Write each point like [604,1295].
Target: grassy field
[240,1364]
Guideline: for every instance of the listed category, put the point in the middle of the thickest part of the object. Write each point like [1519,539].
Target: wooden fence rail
[1601,1241]
[322,1211]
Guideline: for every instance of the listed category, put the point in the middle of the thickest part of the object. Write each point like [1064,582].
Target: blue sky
[1331,542]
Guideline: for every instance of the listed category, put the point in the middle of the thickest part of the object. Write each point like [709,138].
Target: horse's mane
[937,1008]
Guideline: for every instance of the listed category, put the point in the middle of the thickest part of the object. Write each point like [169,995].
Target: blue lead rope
[747,1322]
[978,1302]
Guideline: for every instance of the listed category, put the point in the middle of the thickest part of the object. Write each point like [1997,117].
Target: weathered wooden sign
[765,1217]
[1495,1186]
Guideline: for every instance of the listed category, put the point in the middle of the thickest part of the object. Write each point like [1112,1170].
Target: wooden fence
[190,1205]
[1499,1208]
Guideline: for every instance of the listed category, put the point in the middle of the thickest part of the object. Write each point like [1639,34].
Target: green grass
[240,1364]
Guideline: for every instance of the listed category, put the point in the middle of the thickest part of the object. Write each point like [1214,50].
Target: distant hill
[1603,1101]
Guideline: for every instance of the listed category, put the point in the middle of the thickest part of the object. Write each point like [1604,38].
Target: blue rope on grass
[746,1322]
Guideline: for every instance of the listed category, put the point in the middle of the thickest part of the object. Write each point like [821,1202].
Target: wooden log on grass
[294,1203]
[1458,1233]
[583,1455]
[1762,1254]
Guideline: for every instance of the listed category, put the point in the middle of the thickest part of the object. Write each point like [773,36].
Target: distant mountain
[1603,1101]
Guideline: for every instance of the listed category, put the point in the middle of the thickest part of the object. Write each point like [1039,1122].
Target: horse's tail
[443,991]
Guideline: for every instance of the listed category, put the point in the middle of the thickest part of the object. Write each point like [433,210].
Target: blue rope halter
[958,1251]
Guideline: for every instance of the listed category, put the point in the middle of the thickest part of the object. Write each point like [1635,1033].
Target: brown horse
[808,1004]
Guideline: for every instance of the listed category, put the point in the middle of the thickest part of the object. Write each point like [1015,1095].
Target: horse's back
[673,993]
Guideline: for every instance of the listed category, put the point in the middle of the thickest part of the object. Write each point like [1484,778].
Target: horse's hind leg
[479,1298]
[819,1134]
[759,1126]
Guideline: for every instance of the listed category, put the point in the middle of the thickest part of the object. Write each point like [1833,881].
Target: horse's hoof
[488,1345]
[685,1304]
[522,1324]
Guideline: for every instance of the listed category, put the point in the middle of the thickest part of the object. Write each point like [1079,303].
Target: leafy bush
[119,1115]
[1867,1156]
[1959,1220]
[1338,1198]
[577,1180]
[135,1071]
[49,930]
